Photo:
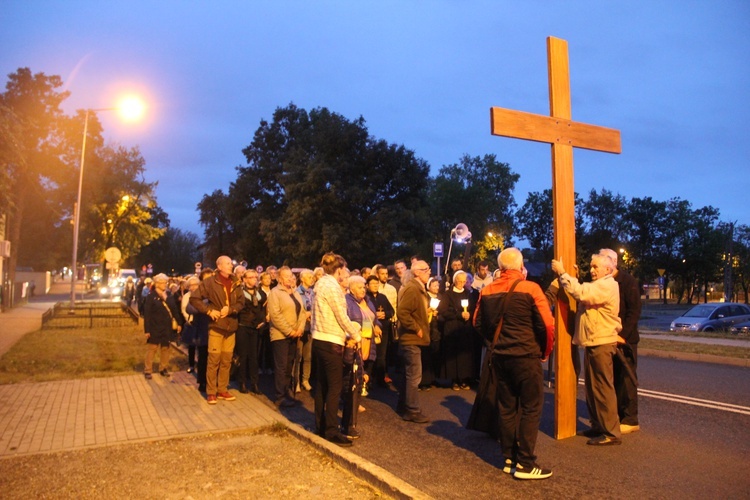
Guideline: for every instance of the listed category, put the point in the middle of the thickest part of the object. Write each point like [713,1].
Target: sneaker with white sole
[531,472]
[509,467]
[627,429]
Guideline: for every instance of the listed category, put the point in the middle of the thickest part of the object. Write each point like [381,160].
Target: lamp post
[131,108]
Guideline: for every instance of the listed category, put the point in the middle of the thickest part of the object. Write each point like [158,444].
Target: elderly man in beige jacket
[597,326]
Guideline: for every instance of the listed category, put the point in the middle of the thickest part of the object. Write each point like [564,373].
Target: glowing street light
[131,108]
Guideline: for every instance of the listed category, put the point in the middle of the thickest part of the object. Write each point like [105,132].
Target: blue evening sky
[673,76]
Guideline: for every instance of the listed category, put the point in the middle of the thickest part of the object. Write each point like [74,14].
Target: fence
[89,315]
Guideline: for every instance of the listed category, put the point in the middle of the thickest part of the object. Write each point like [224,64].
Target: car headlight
[103,290]
[694,327]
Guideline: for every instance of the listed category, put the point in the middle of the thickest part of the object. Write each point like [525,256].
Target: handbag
[485,415]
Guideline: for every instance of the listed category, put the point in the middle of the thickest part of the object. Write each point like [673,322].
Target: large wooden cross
[563,134]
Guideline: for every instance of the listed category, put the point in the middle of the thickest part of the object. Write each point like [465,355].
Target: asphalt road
[683,451]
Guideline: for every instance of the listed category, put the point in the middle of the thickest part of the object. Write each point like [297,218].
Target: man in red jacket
[524,342]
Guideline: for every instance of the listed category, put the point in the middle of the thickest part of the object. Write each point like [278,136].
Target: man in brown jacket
[221,298]
[414,333]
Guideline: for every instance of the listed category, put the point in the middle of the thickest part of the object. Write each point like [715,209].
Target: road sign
[112,254]
[661,271]
[437,249]
[198,266]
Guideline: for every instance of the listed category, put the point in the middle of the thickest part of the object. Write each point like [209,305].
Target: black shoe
[509,467]
[286,403]
[352,433]
[531,472]
[604,441]
[401,408]
[190,370]
[243,389]
[148,376]
[340,440]
[589,433]
[254,389]
[164,373]
[202,388]
[415,416]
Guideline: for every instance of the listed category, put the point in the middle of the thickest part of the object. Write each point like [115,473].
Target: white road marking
[706,403]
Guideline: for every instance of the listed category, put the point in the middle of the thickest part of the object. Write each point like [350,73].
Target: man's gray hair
[606,260]
[611,254]
[306,272]
[510,258]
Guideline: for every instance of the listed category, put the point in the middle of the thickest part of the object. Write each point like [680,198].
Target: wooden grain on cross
[563,134]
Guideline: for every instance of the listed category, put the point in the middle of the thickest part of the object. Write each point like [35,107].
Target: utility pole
[728,285]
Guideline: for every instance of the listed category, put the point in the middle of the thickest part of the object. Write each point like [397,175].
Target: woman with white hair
[360,310]
[454,312]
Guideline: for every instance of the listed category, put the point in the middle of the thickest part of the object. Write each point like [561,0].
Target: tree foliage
[40,154]
[316,182]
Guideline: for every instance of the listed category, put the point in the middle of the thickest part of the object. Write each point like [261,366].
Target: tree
[176,252]
[645,219]
[741,258]
[217,226]
[31,166]
[316,182]
[604,218]
[477,191]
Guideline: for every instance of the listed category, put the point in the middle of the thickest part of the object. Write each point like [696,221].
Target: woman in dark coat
[454,313]
[162,320]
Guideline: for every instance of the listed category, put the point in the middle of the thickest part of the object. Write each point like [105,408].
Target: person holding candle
[454,313]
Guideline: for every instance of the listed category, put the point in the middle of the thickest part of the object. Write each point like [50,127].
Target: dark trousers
[520,396]
[284,352]
[381,354]
[246,347]
[350,396]
[191,356]
[328,359]
[626,389]
[202,364]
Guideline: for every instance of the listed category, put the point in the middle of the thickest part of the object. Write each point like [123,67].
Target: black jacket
[630,306]
[156,318]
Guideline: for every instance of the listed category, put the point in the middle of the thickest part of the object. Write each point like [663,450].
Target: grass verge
[62,354]
[695,348]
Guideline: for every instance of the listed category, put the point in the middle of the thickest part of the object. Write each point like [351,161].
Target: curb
[365,470]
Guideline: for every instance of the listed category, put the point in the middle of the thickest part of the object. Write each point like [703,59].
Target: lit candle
[434,303]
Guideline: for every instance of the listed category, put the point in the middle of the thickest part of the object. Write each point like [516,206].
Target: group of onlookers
[359,328]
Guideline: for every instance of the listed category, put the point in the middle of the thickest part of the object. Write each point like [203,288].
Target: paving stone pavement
[72,414]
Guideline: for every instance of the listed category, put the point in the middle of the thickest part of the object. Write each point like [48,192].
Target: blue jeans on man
[408,390]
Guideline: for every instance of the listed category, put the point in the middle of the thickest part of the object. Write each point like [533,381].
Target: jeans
[408,391]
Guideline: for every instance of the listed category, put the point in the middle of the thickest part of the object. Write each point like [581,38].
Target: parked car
[711,317]
[741,328]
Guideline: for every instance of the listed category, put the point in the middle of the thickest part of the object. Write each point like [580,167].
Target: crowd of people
[338,332]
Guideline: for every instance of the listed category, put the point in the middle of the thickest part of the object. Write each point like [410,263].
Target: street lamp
[460,234]
[130,109]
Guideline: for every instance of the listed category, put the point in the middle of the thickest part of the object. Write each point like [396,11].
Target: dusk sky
[672,76]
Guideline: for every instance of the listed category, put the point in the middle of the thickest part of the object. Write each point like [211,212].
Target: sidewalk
[77,414]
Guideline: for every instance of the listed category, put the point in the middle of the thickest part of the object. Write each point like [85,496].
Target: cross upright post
[563,134]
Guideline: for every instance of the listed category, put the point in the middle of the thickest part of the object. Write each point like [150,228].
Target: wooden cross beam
[563,134]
